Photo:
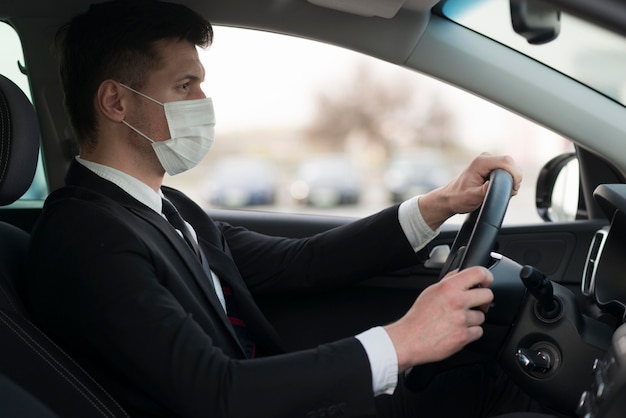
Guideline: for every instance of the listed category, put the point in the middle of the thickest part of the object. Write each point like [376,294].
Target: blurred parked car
[409,175]
[326,181]
[242,181]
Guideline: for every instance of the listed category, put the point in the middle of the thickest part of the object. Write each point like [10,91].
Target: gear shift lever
[548,307]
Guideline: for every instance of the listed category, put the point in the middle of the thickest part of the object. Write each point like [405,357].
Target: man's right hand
[443,319]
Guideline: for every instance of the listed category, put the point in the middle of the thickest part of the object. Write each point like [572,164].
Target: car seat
[28,358]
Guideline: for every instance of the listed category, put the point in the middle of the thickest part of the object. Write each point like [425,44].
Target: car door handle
[437,257]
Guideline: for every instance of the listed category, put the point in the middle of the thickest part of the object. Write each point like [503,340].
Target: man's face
[178,79]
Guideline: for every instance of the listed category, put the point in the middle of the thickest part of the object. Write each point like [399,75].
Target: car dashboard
[603,278]
[604,284]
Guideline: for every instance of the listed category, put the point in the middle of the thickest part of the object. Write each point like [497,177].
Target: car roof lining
[390,39]
[380,8]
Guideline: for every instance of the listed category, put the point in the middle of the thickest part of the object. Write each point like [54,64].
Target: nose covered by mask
[192,128]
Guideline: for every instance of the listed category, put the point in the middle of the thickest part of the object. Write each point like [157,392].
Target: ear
[111,100]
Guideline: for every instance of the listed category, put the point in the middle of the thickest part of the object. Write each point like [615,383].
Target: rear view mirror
[535,20]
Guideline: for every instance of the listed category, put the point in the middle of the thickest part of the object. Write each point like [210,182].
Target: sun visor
[380,8]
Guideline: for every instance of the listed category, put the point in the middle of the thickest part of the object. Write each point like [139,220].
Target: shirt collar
[134,187]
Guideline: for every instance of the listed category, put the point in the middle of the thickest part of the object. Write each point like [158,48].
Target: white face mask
[191,124]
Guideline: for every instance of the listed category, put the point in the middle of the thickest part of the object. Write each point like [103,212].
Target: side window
[308,127]
[11,64]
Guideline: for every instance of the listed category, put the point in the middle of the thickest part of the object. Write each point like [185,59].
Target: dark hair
[116,40]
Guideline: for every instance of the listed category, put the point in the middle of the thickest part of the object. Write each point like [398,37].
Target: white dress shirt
[376,342]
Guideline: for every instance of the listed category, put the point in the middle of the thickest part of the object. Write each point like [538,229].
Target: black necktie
[174,218]
[238,324]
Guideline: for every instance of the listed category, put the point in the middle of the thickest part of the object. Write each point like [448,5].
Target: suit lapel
[199,271]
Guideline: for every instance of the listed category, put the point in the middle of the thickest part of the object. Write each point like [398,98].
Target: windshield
[584,52]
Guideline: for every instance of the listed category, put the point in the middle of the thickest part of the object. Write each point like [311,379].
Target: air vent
[591,265]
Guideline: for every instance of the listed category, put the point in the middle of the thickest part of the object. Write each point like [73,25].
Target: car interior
[560,296]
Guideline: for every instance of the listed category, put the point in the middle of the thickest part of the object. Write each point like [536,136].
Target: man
[160,311]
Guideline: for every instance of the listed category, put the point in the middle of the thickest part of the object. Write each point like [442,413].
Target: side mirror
[535,20]
[558,189]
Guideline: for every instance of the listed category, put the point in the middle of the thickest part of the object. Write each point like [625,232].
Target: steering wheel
[477,237]
[472,247]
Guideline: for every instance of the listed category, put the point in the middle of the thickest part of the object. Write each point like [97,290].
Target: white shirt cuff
[415,228]
[383,360]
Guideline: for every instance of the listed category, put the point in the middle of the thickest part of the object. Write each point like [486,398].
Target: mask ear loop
[138,131]
[141,94]
[147,97]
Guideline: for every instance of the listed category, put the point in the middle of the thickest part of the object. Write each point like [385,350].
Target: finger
[486,163]
[514,170]
[475,276]
[517,184]
[514,188]
[485,308]
[451,275]
[474,317]
[474,333]
[505,162]
[485,187]
[479,297]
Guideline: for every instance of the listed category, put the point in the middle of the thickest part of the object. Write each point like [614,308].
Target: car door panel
[559,250]
[306,320]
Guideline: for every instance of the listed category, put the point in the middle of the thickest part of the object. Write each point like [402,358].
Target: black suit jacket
[115,284]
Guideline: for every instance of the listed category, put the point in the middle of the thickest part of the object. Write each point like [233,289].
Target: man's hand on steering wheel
[445,318]
[466,192]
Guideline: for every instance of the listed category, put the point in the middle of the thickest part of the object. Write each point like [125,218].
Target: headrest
[19,142]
